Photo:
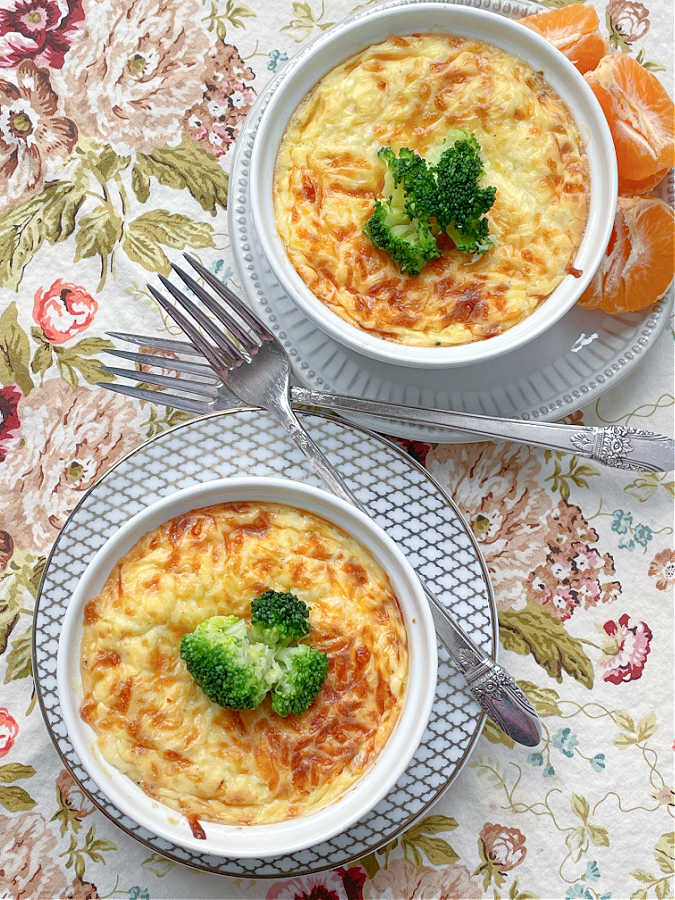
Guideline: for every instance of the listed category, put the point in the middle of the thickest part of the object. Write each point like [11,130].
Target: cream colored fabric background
[587,815]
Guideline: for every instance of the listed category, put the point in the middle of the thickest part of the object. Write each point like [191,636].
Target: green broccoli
[424,197]
[230,669]
[416,178]
[303,672]
[409,242]
[236,667]
[461,202]
[454,134]
[279,619]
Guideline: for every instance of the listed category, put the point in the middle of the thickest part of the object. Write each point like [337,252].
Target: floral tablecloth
[117,119]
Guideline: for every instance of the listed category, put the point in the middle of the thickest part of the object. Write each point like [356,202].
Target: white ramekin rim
[295,834]
[407,16]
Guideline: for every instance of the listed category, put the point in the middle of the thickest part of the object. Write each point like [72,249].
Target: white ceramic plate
[294,834]
[404,17]
[568,366]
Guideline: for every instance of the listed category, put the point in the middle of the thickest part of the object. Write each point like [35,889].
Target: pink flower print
[561,568]
[626,649]
[497,489]
[8,731]
[588,592]
[503,846]
[32,136]
[563,603]
[629,18]
[585,558]
[215,120]
[323,886]
[573,572]
[63,310]
[41,30]
[662,567]
[139,68]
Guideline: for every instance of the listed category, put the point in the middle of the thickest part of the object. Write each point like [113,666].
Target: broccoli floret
[303,672]
[236,671]
[461,202]
[424,197]
[409,242]
[413,174]
[230,669]
[279,619]
[453,135]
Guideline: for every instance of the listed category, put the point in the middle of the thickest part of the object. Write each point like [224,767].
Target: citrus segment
[640,115]
[630,188]
[638,265]
[574,30]
[587,52]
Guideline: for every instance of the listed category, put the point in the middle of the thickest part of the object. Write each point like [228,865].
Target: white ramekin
[406,17]
[295,834]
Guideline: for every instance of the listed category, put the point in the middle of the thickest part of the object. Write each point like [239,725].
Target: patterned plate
[567,367]
[399,494]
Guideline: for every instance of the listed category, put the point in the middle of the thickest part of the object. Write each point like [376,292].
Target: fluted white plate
[568,366]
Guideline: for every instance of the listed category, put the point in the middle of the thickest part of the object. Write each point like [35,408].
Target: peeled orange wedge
[574,30]
[641,117]
[638,265]
[631,188]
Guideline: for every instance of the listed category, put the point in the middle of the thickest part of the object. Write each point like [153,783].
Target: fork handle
[497,692]
[314,456]
[617,446]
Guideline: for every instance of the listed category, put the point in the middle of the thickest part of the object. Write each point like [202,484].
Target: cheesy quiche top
[409,92]
[244,767]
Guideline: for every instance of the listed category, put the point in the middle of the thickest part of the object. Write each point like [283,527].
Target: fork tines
[222,348]
[190,389]
[189,404]
[164,362]
[244,333]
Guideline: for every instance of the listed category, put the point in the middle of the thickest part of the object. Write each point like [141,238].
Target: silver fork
[616,446]
[249,361]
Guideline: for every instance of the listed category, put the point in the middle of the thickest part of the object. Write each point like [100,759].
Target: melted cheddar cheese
[241,767]
[408,92]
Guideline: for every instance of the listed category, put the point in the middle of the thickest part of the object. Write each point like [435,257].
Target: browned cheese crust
[409,92]
[242,767]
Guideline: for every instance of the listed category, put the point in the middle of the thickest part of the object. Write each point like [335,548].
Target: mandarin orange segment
[640,114]
[574,30]
[630,188]
[587,52]
[638,265]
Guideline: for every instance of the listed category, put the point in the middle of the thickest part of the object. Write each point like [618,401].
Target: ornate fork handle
[614,445]
[501,698]
[497,692]
[626,448]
